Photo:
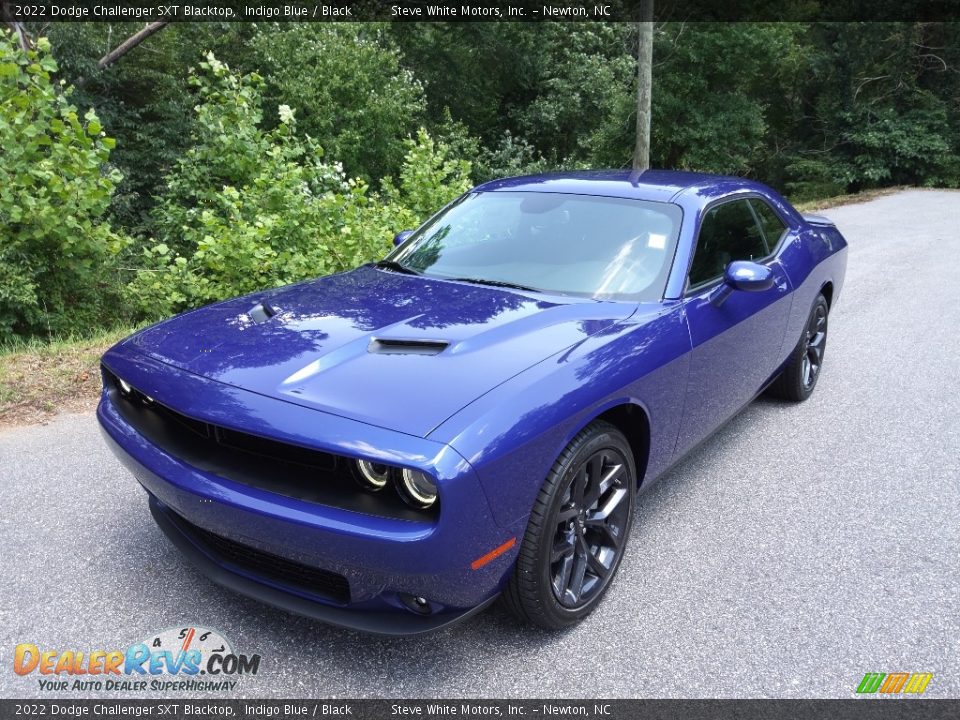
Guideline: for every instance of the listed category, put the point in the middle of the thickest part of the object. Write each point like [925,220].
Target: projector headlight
[417,488]
[373,476]
[125,388]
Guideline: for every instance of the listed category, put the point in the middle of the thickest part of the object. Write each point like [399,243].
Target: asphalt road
[800,548]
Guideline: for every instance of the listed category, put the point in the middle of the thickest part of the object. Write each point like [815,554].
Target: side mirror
[401,237]
[742,275]
[748,276]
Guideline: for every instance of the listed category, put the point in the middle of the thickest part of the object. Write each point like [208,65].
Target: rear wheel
[799,377]
[577,532]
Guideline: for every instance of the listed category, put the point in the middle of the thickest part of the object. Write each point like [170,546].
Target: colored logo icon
[894,683]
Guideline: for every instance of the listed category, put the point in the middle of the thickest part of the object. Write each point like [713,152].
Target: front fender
[513,435]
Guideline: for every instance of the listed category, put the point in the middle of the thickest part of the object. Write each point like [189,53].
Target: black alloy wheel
[590,528]
[800,375]
[577,532]
[815,342]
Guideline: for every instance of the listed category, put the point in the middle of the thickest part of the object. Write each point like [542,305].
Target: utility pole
[641,151]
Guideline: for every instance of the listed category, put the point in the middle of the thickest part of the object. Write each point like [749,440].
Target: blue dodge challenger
[392,448]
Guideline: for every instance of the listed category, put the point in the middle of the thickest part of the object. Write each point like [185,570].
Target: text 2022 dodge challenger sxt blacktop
[393,447]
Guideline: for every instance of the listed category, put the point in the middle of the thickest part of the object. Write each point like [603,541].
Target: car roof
[657,185]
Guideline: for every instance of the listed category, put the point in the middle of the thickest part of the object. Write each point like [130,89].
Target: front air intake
[267,565]
[385,346]
[269,464]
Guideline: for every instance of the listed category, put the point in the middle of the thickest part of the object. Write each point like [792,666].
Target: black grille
[278,467]
[267,565]
[215,435]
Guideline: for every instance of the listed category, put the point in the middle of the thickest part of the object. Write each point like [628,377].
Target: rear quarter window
[773,227]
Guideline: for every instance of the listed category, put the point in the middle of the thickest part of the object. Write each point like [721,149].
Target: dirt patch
[837,201]
[38,382]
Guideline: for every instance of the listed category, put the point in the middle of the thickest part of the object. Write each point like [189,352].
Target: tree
[56,250]
[130,43]
[144,99]
[879,105]
[641,151]
[351,92]
[250,206]
[720,89]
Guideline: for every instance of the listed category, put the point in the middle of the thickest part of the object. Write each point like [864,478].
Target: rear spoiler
[818,220]
[826,230]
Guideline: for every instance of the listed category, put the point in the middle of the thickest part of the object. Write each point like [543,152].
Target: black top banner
[477,10]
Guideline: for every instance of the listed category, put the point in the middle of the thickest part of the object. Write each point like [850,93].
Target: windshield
[600,247]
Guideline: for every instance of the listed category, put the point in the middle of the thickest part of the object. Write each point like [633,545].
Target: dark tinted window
[772,226]
[728,232]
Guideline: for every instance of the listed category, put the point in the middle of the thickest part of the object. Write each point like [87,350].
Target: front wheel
[577,532]
[799,377]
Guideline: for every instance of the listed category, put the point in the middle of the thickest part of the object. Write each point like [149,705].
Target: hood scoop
[392,346]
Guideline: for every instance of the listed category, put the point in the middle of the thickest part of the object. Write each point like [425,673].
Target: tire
[799,377]
[578,530]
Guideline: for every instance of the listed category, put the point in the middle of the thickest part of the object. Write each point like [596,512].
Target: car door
[736,343]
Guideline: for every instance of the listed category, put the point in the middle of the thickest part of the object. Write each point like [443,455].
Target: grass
[849,199]
[39,377]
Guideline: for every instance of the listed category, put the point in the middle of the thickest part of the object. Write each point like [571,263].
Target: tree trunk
[22,36]
[130,43]
[641,151]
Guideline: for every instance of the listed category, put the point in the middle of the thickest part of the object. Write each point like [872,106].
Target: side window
[728,232]
[770,222]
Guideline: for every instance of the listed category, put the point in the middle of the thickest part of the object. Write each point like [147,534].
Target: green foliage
[538,95]
[143,99]
[250,207]
[888,145]
[228,149]
[815,176]
[349,88]
[477,71]
[510,156]
[717,93]
[881,99]
[429,178]
[220,179]
[580,87]
[56,252]
[880,146]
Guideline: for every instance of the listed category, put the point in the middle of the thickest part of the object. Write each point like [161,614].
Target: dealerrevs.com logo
[199,658]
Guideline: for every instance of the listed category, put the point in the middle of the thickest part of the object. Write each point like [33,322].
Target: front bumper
[381,622]
[382,560]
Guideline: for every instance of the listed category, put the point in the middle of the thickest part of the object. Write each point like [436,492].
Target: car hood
[397,351]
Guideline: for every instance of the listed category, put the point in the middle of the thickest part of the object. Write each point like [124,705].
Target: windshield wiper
[396,267]
[494,283]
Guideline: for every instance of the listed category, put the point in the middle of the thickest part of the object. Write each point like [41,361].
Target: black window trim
[775,248]
[690,290]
